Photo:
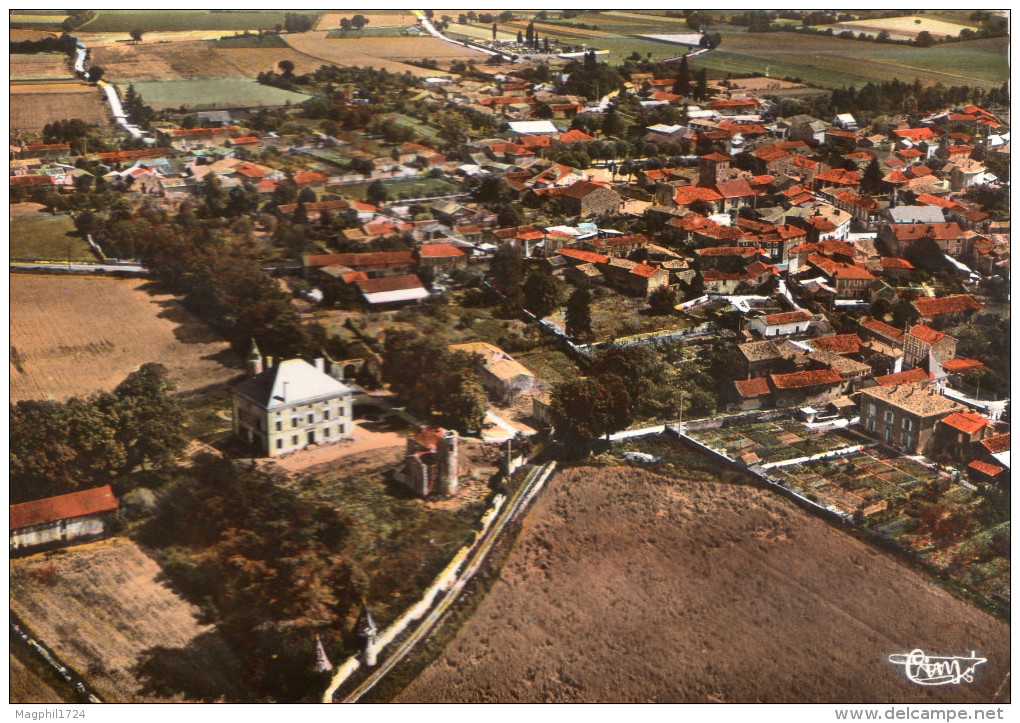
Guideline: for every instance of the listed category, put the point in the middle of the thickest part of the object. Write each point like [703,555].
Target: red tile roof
[97,500]
[985,468]
[840,176]
[892,262]
[787,317]
[586,256]
[967,422]
[947,305]
[32,180]
[926,334]
[916,134]
[685,195]
[754,387]
[305,177]
[718,157]
[810,378]
[839,344]
[244,140]
[363,260]
[645,270]
[937,231]
[997,444]
[908,377]
[959,365]
[435,251]
[389,283]
[731,251]
[880,327]
[737,188]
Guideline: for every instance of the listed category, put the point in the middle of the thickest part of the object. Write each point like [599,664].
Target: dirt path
[629,587]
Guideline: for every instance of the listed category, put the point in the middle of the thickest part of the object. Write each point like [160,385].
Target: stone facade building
[904,416]
[431,462]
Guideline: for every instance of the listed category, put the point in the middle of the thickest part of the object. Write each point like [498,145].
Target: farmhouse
[391,291]
[789,322]
[500,373]
[284,406]
[60,520]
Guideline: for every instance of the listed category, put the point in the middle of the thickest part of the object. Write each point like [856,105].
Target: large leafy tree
[149,419]
[541,292]
[578,313]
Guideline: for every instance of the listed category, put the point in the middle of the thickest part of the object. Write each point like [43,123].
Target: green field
[402,188]
[124,21]
[236,92]
[269,40]
[39,236]
[837,62]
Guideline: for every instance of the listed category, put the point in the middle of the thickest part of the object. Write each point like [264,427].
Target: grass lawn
[549,363]
[40,236]
[234,92]
[401,188]
[112,21]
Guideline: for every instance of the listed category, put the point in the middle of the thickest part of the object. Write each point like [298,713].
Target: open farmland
[33,105]
[837,62]
[252,61]
[73,335]
[40,65]
[162,61]
[37,235]
[625,586]
[902,28]
[104,609]
[222,93]
[380,53]
[376,18]
[124,21]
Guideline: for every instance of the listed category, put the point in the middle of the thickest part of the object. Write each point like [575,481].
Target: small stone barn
[64,519]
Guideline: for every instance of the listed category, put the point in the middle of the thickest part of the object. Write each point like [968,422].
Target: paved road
[125,268]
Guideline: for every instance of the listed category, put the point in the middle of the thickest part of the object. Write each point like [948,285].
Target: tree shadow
[204,671]
[189,330]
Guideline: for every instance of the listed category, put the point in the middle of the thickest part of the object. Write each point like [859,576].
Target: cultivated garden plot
[947,526]
[774,441]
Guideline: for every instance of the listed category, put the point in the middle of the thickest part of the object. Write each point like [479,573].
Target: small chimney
[320,364]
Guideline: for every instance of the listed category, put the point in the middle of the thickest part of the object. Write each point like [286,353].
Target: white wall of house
[61,530]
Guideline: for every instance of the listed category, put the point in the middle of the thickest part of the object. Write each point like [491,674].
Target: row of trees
[61,447]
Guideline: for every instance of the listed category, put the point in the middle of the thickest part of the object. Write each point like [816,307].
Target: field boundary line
[50,658]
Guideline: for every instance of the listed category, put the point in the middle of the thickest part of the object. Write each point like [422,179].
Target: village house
[904,415]
[959,433]
[952,239]
[442,256]
[635,278]
[374,264]
[286,405]
[920,341]
[813,386]
[946,310]
[500,374]
[61,520]
[391,291]
[783,324]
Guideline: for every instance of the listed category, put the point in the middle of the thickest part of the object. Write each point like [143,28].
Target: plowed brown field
[36,104]
[76,335]
[625,586]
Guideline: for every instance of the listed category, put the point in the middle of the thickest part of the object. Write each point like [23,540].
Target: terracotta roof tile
[810,378]
[967,422]
[76,504]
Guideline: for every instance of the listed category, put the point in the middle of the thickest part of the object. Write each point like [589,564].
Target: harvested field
[95,40]
[252,61]
[37,235]
[906,28]
[626,586]
[30,682]
[378,52]
[106,612]
[162,61]
[376,18]
[74,335]
[33,105]
[16,35]
[203,93]
[40,65]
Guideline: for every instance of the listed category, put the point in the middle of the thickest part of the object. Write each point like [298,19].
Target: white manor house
[285,406]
